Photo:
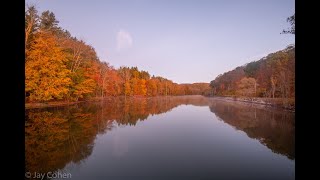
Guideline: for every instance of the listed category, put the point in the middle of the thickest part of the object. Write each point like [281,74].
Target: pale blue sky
[183,40]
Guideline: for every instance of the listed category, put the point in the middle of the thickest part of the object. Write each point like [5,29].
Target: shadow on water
[57,136]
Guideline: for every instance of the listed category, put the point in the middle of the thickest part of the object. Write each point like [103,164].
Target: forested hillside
[60,67]
[272,76]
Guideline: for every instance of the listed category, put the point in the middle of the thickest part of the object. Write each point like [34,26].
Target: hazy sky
[183,40]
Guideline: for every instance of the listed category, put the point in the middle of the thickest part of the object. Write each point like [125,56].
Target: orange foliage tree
[47,76]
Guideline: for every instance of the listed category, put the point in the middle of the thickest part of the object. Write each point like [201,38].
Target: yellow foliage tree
[143,87]
[247,87]
[127,89]
[46,74]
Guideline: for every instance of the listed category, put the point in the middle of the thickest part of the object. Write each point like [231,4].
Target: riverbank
[280,103]
[66,103]
[48,104]
[57,103]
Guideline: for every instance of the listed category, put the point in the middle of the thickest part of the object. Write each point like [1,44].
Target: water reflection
[56,137]
[273,128]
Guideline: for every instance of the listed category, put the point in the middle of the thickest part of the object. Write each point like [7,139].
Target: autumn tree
[113,83]
[125,74]
[47,76]
[143,87]
[226,83]
[80,58]
[31,25]
[103,75]
[151,87]
[247,87]
[282,76]
[135,89]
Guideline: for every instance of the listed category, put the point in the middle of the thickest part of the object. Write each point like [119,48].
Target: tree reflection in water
[60,135]
[273,128]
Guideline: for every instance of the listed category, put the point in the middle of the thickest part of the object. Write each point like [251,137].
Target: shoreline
[38,105]
[49,104]
[58,103]
[278,103]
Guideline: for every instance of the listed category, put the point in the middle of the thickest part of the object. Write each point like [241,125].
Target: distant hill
[271,76]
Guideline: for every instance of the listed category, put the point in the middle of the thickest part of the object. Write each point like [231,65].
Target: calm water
[188,137]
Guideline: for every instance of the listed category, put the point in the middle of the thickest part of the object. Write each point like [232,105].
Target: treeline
[59,66]
[272,76]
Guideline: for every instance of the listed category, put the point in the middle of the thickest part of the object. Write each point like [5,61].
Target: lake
[183,137]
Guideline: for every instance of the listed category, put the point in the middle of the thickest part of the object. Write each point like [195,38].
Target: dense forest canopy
[272,76]
[59,66]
